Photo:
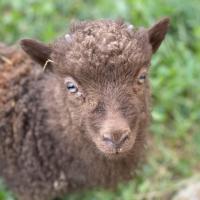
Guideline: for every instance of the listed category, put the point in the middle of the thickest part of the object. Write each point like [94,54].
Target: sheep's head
[103,70]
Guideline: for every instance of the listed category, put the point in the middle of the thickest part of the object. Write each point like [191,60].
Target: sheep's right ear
[36,50]
[157,33]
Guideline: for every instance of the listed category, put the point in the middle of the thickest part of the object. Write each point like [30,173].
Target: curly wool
[34,162]
[107,42]
[45,151]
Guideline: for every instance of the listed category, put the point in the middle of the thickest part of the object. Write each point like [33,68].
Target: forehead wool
[102,43]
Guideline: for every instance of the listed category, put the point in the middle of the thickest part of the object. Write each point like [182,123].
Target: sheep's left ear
[36,50]
[157,33]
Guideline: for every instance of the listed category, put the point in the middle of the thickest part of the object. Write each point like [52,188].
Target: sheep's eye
[141,78]
[71,87]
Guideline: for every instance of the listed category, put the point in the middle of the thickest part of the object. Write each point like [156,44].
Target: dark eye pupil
[71,87]
[142,77]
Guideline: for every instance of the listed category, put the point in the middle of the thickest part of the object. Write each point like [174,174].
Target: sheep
[74,113]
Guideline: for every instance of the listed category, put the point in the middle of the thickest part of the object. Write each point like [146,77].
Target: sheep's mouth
[114,153]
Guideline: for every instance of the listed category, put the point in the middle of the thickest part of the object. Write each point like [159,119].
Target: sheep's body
[32,160]
[54,141]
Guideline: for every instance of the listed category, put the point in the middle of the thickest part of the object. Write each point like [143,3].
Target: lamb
[80,121]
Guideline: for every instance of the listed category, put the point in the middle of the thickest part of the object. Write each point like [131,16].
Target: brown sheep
[81,121]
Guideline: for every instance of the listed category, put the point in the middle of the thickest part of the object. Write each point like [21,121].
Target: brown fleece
[52,142]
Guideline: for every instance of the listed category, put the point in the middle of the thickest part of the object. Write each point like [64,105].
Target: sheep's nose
[116,139]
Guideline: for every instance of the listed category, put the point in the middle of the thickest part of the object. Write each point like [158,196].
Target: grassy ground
[174,146]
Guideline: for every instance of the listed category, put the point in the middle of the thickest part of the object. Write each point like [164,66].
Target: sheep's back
[19,111]
[15,67]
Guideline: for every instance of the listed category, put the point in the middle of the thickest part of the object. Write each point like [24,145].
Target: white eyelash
[78,94]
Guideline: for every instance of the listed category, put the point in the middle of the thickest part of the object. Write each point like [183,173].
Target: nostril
[124,137]
[106,138]
[120,137]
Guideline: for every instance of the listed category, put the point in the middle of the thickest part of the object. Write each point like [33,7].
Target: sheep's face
[103,68]
[111,103]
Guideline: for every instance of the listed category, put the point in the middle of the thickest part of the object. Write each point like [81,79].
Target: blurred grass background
[174,146]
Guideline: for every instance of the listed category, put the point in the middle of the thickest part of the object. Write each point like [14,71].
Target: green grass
[174,150]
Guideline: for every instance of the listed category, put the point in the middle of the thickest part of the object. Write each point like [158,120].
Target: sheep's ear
[38,51]
[157,33]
